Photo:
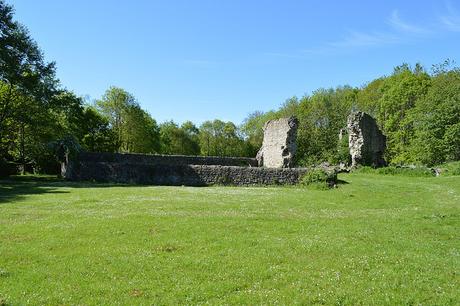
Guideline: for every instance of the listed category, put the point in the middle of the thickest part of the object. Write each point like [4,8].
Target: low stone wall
[147,159]
[177,175]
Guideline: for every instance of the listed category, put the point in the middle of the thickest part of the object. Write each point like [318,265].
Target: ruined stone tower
[366,142]
[279,144]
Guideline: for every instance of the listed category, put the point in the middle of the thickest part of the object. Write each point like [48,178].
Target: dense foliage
[417,110]
[319,179]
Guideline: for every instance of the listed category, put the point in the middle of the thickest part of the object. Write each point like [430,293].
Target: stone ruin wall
[366,142]
[276,156]
[157,159]
[175,170]
[271,166]
[279,143]
[187,175]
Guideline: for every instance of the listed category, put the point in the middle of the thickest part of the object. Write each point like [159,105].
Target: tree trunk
[23,150]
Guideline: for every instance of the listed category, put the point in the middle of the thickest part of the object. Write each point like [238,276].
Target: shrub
[319,178]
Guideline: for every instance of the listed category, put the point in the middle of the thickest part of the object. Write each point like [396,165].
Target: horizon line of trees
[418,111]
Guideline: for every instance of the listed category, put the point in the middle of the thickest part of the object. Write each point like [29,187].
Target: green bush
[319,179]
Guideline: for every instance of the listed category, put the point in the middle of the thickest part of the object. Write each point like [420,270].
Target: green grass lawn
[374,240]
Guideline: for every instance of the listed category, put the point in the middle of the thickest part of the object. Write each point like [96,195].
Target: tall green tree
[27,85]
[135,130]
[401,93]
[140,133]
[179,140]
[368,98]
[436,120]
[191,143]
[219,138]
[30,130]
[23,70]
[321,117]
[96,134]
[114,105]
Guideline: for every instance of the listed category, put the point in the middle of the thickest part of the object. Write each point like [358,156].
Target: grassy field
[374,240]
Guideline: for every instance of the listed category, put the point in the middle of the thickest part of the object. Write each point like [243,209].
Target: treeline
[128,128]
[37,113]
[419,111]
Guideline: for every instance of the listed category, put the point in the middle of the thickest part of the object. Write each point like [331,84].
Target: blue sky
[200,60]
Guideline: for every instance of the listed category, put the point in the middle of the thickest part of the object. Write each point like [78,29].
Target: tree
[191,145]
[113,105]
[28,115]
[321,116]
[401,93]
[96,134]
[289,108]
[135,130]
[140,132]
[179,140]
[368,98]
[30,128]
[219,138]
[23,70]
[436,120]
[252,129]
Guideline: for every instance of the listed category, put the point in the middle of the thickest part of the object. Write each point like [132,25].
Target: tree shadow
[342,182]
[16,188]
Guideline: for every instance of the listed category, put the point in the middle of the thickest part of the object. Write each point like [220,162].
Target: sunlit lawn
[374,240]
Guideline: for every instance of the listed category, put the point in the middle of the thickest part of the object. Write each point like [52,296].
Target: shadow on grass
[342,182]
[16,187]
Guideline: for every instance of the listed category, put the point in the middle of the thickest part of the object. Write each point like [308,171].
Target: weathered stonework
[276,155]
[366,142]
[279,143]
[122,169]
[158,159]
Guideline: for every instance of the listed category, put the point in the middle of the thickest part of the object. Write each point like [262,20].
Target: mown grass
[377,239]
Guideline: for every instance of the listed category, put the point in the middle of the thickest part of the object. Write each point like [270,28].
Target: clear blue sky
[210,59]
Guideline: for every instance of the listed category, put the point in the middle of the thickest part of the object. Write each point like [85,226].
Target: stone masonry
[366,142]
[157,159]
[177,175]
[279,143]
[276,157]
